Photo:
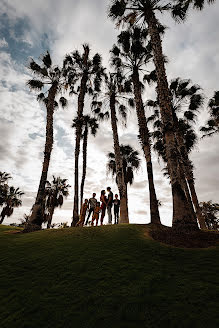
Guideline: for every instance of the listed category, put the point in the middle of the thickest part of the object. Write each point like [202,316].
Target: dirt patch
[12,232]
[198,239]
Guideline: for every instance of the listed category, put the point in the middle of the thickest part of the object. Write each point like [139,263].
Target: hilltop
[110,276]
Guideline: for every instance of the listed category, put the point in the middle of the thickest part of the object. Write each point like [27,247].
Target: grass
[111,276]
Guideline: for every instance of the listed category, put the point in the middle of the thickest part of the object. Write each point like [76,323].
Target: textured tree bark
[146,146]
[183,219]
[200,217]
[84,163]
[124,217]
[81,98]
[187,169]
[51,212]
[37,216]
[2,215]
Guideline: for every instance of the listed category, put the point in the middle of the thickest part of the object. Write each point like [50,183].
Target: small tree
[131,163]
[12,199]
[55,193]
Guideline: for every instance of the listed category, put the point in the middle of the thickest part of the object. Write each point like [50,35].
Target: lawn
[111,276]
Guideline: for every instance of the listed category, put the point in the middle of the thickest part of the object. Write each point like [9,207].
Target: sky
[29,28]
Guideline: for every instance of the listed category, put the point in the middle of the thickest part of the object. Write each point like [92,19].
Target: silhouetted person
[109,205]
[116,205]
[96,214]
[83,213]
[103,200]
[92,205]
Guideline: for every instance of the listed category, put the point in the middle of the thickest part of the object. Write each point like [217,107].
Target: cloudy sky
[27,29]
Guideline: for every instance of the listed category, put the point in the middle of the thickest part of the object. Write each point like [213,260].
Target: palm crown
[115,85]
[56,191]
[77,64]
[212,126]
[47,75]
[130,159]
[187,100]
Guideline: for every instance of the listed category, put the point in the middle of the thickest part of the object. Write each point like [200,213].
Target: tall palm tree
[137,11]
[187,100]
[85,73]
[11,200]
[210,212]
[116,87]
[50,79]
[55,193]
[212,126]
[131,162]
[89,124]
[133,54]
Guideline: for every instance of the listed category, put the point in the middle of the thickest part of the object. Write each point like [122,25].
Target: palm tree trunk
[81,98]
[2,215]
[124,217]
[187,168]
[146,146]
[36,218]
[183,219]
[51,212]
[84,162]
[200,217]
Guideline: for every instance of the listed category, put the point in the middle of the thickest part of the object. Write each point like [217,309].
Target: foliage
[55,192]
[131,162]
[212,126]
[210,212]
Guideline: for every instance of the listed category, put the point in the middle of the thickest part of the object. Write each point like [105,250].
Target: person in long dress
[103,200]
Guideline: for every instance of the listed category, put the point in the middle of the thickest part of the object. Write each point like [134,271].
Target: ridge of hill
[110,276]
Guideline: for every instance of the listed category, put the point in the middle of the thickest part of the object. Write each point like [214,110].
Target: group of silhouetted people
[98,209]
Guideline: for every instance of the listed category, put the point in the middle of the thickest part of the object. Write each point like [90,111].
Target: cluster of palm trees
[138,48]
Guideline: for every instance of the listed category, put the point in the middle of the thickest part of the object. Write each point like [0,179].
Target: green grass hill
[105,277]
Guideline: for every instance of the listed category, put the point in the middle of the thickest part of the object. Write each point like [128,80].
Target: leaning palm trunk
[124,217]
[81,98]
[84,163]
[3,214]
[183,218]
[51,212]
[37,216]
[145,142]
[187,168]
[200,217]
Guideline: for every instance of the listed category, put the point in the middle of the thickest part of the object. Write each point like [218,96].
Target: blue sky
[28,29]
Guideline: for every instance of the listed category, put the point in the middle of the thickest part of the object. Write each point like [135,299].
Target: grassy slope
[105,277]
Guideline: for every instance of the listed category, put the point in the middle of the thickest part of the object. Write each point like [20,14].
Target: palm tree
[137,11]
[186,102]
[116,87]
[11,200]
[133,53]
[131,162]
[46,75]
[89,124]
[212,126]
[210,212]
[88,73]
[55,193]
[4,177]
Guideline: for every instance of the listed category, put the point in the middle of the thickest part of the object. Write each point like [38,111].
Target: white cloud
[3,43]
